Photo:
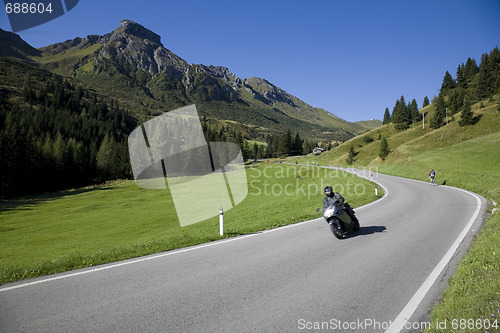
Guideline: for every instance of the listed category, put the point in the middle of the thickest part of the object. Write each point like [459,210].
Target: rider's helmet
[329,191]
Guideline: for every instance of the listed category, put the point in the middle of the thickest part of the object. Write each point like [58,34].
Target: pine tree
[440,113]
[467,116]
[470,69]
[485,82]
[426,102]
[387,117]
[284,144]
[461,80]
[260,152]
[255,150]
[448,83]
[437,120]
[59,150]
[297,145]
[350,157]
[384,149]
[105,156]
[456,100]
[400,117]
[245,150]
[495,65]
[413,111]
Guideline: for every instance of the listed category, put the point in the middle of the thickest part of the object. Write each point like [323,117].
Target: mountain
[11,45]
[66,110]
[369,124]
[132,65]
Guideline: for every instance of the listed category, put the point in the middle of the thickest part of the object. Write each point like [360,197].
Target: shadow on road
[363,231]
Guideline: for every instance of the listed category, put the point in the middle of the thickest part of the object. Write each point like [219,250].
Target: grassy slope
[369,124]
[73,229]
[466,157]
[63,64]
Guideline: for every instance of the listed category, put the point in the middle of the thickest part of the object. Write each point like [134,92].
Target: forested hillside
[471,84]
[56,135]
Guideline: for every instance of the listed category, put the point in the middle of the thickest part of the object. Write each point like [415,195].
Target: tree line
[276,145]
[57,135]
[471,84]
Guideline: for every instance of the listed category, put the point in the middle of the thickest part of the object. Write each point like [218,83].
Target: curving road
[295,278]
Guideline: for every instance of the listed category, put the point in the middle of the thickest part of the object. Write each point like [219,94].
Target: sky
[353,58]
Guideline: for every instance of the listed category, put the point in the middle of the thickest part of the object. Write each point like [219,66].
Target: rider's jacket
[336,199]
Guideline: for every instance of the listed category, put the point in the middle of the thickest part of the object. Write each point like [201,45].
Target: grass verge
[57,232]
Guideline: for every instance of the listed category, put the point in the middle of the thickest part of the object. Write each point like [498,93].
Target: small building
[318,150]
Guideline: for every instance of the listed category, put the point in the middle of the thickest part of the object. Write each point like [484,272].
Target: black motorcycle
[340,221]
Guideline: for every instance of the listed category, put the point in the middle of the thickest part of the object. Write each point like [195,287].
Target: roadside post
[221,221]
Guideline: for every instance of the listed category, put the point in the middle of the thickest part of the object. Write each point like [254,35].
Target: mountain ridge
[11,45]
[131,63]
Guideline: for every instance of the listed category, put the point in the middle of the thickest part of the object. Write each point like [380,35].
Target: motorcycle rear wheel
[356,224]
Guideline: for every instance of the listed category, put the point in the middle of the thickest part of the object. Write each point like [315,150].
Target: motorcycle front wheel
[337,230]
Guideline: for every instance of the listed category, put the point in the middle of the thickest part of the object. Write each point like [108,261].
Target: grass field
[466,157]
[56,232]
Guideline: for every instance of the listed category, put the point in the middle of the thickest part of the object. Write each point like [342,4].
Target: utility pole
[423,120]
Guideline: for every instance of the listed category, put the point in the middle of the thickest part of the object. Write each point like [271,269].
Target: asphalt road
[290,279]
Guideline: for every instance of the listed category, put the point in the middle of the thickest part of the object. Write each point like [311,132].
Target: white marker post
[376,194]
[221,221]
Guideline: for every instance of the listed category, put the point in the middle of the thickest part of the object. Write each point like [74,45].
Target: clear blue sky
[352,58]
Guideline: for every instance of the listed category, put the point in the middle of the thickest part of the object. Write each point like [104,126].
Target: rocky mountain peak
[141,48]
[135,29]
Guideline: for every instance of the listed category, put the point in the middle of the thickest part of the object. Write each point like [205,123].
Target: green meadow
[56,232]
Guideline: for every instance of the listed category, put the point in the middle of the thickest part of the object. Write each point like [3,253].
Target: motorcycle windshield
[329,204]
[337,211]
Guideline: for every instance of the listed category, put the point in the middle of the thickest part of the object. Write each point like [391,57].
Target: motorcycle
[340,221]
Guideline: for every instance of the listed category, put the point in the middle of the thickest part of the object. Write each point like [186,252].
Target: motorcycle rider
[335,199]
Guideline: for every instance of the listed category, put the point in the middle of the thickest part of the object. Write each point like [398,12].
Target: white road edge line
[399,323]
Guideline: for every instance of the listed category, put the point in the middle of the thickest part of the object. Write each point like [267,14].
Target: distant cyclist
[432,175]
